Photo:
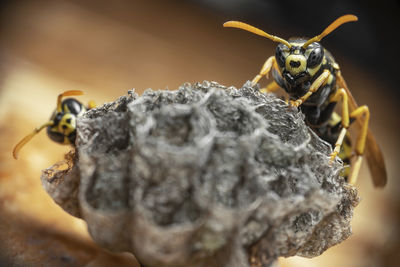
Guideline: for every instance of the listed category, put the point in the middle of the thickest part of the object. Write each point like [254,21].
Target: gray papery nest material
[203,176]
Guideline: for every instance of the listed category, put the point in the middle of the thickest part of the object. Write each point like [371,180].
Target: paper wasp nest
[203,176]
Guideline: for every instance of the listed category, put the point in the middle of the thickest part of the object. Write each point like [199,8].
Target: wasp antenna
[339,21]
[66,93]
[249,28]
[27,138]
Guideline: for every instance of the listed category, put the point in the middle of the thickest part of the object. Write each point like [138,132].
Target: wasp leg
[341,94]
[360,112]
[313,88]
[270,88]
[264,70]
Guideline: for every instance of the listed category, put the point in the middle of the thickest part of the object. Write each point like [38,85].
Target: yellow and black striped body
[63,130]
[298,69]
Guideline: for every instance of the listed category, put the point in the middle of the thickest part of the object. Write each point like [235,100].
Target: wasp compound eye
[280,56]
[315,57]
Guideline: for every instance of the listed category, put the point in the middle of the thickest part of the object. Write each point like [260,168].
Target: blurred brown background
[108,47]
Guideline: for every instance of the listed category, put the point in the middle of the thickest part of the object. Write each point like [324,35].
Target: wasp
[313,82]
[61,127]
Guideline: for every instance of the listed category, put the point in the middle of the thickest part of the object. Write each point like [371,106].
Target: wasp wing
[373,153]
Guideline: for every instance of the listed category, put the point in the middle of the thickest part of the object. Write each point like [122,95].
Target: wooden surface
[51,46]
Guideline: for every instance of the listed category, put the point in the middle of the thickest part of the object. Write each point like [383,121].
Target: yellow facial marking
[295,64]
[67,124]
[314,70]
[296,44]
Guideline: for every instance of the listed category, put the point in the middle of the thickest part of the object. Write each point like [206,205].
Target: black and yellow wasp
[312,79]
[61,127]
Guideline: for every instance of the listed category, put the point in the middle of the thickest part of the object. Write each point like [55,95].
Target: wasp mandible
[61,127]
[313,81]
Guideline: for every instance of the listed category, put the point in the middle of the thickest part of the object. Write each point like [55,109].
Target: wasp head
[63,128]
[298,63]
[297,59]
